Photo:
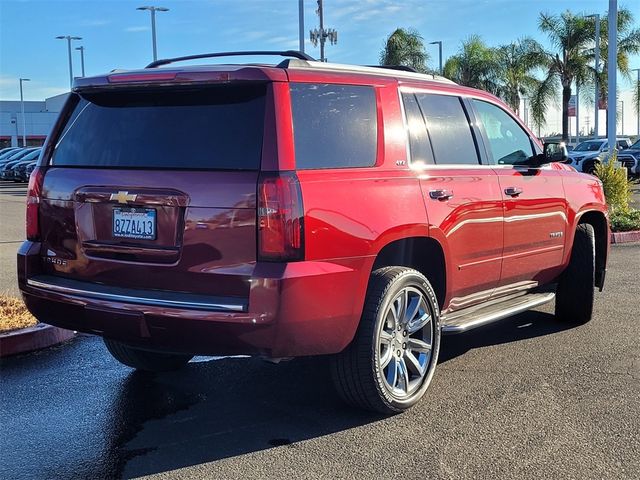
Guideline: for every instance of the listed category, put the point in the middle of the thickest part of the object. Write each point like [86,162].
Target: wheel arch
[424,254]
[598,221]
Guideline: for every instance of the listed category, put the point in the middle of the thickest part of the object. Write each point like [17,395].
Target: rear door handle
[513,191]
[440,194]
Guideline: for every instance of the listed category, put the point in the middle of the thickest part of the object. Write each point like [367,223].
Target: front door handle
[440,194]
[513,191]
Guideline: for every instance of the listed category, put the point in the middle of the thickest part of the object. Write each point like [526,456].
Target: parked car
[630,158]
[586,155]
[20,171]
[17,171]
[7,150]
[8,154]
[6,167]
[30,169]
[378,209]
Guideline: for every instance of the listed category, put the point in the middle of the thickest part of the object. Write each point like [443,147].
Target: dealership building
[39,118]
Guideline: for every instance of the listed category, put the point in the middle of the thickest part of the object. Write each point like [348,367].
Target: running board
[472,317]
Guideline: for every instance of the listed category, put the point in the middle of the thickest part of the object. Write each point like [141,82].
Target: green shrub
[617,189]
[625,221]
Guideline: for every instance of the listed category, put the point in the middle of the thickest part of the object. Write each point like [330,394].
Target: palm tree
[516,63]
[628,44]
[405,47]
[476,65]
[570,35]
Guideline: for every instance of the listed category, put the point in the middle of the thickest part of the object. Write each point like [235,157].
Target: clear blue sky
[116,35]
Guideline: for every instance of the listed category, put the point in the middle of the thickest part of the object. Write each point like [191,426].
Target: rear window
[334,126]
[212,128]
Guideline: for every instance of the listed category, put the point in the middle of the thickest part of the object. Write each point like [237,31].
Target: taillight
[34,193]
[280,217]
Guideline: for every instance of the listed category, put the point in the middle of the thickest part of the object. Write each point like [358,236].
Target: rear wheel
[575,292]
[389,364]
[145,360]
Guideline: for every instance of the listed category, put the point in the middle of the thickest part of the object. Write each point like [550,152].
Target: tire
[389,364]
[576,288]
[145,360]
[590,168]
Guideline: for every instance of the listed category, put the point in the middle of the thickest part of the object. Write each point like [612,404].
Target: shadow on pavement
[221,409]
[232,407]
[529,324]
[90,417]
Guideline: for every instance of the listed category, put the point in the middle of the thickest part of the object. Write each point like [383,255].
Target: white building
[39,118]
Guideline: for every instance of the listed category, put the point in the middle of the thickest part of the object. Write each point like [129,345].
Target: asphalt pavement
[528,397]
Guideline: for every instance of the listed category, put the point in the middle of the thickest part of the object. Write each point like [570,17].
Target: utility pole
[637,92]
[24,122]
[577,112]
[439,42]
[596,18]
[69,38]
[612,66]
[301,24]
[81,48]
[321,35]
[153,11]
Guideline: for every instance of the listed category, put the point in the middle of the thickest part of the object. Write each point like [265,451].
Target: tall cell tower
[321,35]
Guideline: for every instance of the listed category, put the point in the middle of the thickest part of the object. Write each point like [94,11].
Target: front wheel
[575,292]
[390,362]
[145,360]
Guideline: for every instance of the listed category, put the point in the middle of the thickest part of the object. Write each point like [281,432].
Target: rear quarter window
[334,126]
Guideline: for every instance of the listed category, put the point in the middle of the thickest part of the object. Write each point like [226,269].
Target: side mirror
[555,152]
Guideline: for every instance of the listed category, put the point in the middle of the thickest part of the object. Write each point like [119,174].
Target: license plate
[138,223]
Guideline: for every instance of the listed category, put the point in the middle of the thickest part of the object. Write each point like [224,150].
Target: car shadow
[233,406]
[526,325]
[220,409]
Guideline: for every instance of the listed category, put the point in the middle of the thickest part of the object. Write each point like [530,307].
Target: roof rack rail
[402,68]
[284,53]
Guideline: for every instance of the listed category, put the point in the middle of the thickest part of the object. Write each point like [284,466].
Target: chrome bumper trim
[157,302]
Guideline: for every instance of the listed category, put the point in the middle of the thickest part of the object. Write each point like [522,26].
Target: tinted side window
[417,131]
[509,144]
[449,129]
[334,126]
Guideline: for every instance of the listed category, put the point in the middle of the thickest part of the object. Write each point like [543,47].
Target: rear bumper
[294,309]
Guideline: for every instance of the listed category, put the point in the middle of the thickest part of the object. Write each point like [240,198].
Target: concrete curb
[625,237]
[32,338]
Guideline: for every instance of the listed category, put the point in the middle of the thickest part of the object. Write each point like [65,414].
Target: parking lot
[524,398]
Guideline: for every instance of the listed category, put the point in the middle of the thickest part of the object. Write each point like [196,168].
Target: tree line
[525,68]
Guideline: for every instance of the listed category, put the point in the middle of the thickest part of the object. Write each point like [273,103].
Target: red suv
[302,209]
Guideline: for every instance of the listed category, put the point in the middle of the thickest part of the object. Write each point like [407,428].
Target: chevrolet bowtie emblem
[123,197]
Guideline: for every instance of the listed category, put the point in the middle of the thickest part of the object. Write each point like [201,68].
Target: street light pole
[301,24]
[24,123]
[81,48]
[622,118]
[439,42]
[577,112]
[637,89]
[612,70]
[68,38]
[153,11]
[596,17]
